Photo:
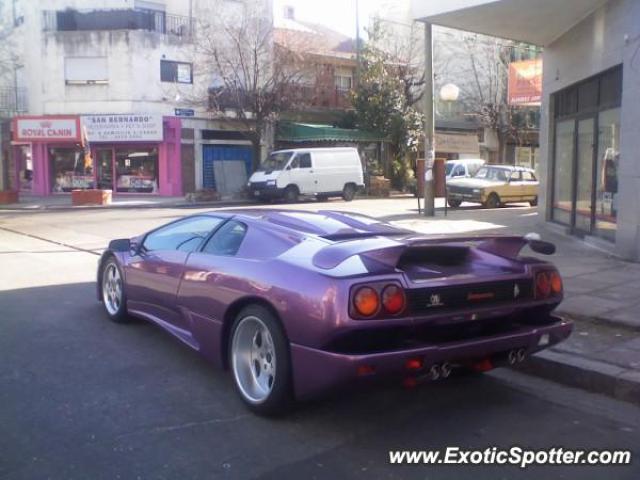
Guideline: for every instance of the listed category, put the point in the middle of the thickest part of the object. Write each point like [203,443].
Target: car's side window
[227,240]
[459,171]
[305,160]
[185,235]
[514,177]
[528,177]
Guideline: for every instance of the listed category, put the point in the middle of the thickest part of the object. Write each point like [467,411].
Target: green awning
[308,132]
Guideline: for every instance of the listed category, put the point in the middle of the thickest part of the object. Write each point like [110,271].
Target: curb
[595,376]
[221,204]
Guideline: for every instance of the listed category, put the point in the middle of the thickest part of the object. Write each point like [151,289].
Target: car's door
[153,275]
[515,190]
[303,174]
[529,185]
[212,281]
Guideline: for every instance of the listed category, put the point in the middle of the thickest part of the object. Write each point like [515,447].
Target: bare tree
[246,75]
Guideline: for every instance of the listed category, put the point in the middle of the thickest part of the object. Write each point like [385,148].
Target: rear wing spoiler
[388,251]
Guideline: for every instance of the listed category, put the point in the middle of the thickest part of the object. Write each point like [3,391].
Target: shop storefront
[136,154]
[586,157]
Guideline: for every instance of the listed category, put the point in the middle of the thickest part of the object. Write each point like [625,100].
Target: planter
[90,197]
[8,196]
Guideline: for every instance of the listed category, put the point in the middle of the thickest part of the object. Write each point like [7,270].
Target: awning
[533,21]
[308,132]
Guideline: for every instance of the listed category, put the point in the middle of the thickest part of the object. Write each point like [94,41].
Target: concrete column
[429,151]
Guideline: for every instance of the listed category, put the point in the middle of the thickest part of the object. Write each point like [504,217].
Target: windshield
[447,168]
[276,161]
[499,174]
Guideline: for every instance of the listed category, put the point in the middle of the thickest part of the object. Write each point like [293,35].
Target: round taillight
[366,301]
[543,285]
[393,299]
[556,283]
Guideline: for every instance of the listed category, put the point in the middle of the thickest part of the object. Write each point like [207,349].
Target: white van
[322,172]
[462,168]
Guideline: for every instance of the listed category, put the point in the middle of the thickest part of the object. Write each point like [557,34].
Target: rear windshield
[489,173]
[275,161]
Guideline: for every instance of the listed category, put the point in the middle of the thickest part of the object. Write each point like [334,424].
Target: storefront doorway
[586,155]
[127,169]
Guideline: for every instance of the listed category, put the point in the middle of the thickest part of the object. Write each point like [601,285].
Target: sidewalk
[63,202]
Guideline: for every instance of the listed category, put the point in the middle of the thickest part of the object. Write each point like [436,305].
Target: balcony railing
[13,100]
[101,20]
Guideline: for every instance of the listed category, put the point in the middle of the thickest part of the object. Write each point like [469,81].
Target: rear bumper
[317,371]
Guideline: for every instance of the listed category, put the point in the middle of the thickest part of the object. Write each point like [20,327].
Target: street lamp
[449,93]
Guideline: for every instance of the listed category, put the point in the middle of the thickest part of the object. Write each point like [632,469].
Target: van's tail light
[366,301]
[547,284]
[393,299]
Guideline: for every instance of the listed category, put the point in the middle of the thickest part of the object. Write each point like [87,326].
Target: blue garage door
[226,168]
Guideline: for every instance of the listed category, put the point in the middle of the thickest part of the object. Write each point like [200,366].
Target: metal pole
[357,43]
[429,182]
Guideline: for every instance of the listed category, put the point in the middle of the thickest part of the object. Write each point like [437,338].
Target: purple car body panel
[305,266]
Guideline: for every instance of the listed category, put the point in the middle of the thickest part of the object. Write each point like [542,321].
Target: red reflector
[409,382]
[483,365]
[414,364]
[364,370]
[543,285]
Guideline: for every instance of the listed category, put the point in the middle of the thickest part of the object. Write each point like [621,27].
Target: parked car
[296,303]
[462,168]
[319,172]
[495,185]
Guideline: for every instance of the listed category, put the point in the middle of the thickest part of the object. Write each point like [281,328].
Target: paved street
[81,397]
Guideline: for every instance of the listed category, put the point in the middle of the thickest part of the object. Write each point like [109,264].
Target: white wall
[608,37]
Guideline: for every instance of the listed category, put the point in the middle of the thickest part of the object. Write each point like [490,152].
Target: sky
[340,15]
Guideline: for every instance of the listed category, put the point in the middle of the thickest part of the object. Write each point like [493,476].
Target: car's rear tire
[112,289]
[454,203]
[260,361]
[493,201]
[291,194]
[534,202]
[348,192]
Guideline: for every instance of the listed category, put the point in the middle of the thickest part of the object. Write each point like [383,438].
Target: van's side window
[304,160]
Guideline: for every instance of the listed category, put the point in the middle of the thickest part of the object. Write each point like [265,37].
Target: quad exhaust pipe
[516,356]
[439,371]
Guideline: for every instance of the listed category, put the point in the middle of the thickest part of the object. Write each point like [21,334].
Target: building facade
[589,167]
[123,74]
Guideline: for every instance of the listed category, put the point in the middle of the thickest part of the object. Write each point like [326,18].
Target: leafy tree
[384,104]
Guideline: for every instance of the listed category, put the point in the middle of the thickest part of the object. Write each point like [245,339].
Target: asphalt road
[81,397]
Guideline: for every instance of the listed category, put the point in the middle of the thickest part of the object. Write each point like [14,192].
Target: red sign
[47,128]
[525,82]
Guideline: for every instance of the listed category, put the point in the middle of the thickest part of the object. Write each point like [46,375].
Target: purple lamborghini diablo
[297,303]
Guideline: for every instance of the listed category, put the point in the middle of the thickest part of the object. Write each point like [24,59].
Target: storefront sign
[525,82]
[457,143]
[54,128]
[185,112]
[123,128]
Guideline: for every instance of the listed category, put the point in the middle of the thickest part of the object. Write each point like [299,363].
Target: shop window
[137,170]
[611,88]
[607,173]
[588,95]
[562,171]
[175,72]
[24,164]
[71,169]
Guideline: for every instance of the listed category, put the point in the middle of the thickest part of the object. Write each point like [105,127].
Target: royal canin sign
[47,128]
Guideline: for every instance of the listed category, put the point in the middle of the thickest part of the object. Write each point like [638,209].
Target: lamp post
[449,93]
[429,153]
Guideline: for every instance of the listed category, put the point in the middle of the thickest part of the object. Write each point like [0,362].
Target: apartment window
[343,79]
[175,72]
[86,70]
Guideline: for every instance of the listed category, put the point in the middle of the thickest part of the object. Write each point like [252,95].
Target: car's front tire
[291,194]
[112,288]
[454,203]
[493,201]
[260,361]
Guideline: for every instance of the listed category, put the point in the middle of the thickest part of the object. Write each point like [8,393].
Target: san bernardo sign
[123,127]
